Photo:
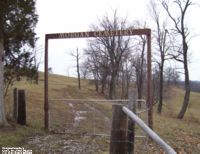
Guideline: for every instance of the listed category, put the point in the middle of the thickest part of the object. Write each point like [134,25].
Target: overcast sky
[57,16]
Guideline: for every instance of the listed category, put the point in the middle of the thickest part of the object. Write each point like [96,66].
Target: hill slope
[183,135]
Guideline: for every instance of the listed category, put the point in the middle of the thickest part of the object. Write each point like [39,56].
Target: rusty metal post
[149,82]
[46,103]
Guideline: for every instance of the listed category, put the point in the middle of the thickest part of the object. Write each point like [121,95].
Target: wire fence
[141,139]
[93,117]
[90,117]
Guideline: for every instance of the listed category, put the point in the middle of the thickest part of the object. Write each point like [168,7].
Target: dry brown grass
[183,135]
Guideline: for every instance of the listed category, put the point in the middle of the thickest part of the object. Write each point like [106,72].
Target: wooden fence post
[118,139]
[21,107]
[131,124]
[15,104]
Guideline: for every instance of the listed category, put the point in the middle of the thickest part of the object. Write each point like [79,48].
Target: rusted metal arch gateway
[126,32]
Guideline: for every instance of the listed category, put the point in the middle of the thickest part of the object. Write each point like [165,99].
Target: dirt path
[67,144]
[99,114]
[69,141]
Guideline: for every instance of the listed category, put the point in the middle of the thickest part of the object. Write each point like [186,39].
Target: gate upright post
[118,139]
[149,83]
[46,103]
[131,124]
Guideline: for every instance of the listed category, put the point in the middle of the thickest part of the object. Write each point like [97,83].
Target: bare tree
[182,54]
[92,63]
[171,76]
[139,64]
[139,61]
[84,70]
[77,57]
[126,77]
[104,73]
[114,47]
[37,60]
[123,81]
[162,48]
[155,76]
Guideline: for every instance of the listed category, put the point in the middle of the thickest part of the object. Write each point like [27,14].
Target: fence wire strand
[93,117]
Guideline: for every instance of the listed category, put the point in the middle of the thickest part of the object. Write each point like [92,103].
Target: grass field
[183,135]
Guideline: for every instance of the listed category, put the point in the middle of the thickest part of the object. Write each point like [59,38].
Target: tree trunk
[140,74]
[3,121]
[78,69]
[159,109]
[140,90]
[182,29]
[96,85]
[96,80]
[185,103]
[103,82]
[123,82]
[112,85]
[139,85]
[102,86]
[127,86]
[187,85]
[79,78]
[37,77]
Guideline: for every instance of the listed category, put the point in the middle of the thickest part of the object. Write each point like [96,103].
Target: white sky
[57,16]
